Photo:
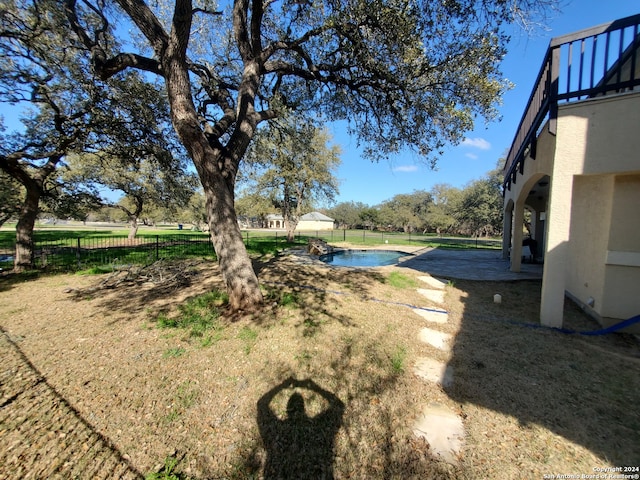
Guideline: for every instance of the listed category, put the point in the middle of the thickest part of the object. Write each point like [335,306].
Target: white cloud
[477,142]
[472,156]
[405,168]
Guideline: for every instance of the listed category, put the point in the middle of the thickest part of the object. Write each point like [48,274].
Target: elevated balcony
[601,60]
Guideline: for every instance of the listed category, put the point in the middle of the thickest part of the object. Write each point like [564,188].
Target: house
[275,221]
[307,222]
[574,166]
[315,221]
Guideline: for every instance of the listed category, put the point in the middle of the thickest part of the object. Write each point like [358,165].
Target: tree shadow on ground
[9,279]
[583,388]
[352,425]
[132,292]
[315,288]
[140,289]
[33,412]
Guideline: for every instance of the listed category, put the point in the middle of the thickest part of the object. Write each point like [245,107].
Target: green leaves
[291,164]
[474,210]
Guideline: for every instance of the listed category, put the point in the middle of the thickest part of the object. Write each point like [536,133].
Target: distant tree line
[475,210]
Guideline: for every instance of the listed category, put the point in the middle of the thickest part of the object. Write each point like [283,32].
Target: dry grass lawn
[215,399]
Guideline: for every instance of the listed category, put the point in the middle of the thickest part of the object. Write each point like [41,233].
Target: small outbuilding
[308,221]
[315,221]
[275,220]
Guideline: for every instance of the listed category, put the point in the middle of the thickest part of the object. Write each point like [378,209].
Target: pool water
[362,258]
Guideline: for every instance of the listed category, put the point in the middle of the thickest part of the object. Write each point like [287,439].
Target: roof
[316,216]
[313,217]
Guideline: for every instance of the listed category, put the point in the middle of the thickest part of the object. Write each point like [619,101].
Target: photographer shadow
[299,446]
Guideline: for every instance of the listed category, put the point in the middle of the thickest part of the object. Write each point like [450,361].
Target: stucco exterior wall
[534,168]
[594,214]
[589,237]
[601,134]
[621,298]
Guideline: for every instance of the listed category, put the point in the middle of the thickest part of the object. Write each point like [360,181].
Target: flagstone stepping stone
[435,338]
[434,371]
[443,430]
[434,282]
[436,296]
[434,316]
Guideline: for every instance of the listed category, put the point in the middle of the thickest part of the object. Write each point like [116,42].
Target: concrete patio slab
[470,264]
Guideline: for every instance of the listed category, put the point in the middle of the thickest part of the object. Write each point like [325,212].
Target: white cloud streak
[477,142]
[406,168]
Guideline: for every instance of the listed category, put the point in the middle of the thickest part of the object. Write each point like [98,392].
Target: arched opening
[528,229]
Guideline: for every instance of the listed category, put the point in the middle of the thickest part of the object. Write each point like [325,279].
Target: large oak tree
[46,75]
[44,78]
[405,73]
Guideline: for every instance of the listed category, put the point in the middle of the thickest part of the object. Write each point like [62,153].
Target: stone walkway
[437,424]
[441,427]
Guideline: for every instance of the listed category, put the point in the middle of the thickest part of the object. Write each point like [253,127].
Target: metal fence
[79,253]
[86,252]
[375,237]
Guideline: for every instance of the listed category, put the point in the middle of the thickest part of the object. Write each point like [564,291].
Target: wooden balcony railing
[597,61]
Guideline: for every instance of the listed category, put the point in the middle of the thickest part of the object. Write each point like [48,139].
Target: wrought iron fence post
[157,247]
[78,253]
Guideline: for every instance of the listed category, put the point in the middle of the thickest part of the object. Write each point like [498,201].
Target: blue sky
[362,181]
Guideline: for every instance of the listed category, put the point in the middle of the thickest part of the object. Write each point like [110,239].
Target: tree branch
[122,61]
[148,24]
[107,67]
[240,9]
[257,13]
[207,12]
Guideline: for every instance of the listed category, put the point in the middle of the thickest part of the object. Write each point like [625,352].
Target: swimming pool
[363,258]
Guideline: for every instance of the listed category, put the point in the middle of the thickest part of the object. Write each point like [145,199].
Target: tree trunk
[133,227]
[24,258]
[217,169]
[235,265]
[291,229]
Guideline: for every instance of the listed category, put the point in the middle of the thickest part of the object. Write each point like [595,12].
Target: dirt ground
[92,387]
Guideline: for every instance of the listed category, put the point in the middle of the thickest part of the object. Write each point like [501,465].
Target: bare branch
[207,12]
[123,61]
